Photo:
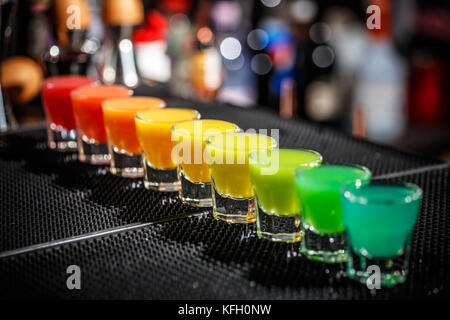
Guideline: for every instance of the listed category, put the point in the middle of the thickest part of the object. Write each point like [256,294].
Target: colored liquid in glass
[229,167]
[87,107]
[379,219]
[276,191]
[154,133]
[56,99]
[192,135]
[119,114]
[318,190]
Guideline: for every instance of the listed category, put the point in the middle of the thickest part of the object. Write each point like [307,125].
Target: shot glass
[193,172]
[227,158]
[379,219]
[123,144]
[277,207]
[318,190]
[91,133]
[61,126]
[153,128]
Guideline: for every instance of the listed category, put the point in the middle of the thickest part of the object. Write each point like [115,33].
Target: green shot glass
[318,191]
[379,219]
[272,176]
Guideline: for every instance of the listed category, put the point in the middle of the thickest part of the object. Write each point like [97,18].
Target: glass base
[293,250]
[330,248]
[363,269]
[125,164]
[274,227]
[233,210]
[61,139]
[160,179]
[194,194]
[91,152]
[247,231]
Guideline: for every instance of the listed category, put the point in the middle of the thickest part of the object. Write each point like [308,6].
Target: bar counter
[130,242]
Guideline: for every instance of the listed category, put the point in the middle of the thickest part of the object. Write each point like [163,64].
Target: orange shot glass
[91,132]
[123,144]
[153,129]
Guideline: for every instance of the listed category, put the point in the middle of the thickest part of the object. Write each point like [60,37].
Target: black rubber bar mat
[131,242]
[198,257]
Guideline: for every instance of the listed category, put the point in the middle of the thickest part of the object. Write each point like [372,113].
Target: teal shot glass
[379,220]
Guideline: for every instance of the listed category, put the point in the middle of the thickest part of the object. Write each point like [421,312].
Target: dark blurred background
[310,59]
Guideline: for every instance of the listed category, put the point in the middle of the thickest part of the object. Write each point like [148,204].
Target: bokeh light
[257,39]
[261,64]
[226,14]
[271,3]
[320,32]
[54,51]
[230,48]
[323,56]
[235,64]
[303,11]
[204,35]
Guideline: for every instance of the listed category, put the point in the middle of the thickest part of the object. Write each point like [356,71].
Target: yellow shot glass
[193,172]
[153,128]
[227,158]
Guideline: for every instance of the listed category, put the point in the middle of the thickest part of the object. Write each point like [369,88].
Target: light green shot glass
[318,190]
[272,176]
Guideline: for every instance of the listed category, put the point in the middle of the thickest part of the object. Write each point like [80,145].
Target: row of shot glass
[335,212]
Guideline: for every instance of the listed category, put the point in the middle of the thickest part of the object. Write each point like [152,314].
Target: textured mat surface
[167,250]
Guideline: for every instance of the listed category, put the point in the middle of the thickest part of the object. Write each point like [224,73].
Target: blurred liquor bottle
[179,38]
[277,45]
[315,61]
[151,49]
[422,31]
[232,23]
[120,18]
[380,90]
[427,96]
[69,52]
[206,65]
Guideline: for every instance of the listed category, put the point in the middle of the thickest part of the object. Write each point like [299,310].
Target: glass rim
[74,94]
[319,160]
[49,84]
[367,172]
[208,141]
[347,193]
[196,116]
[178,131]
[160,105]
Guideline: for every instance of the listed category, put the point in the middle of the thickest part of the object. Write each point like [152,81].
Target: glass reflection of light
[125,45]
